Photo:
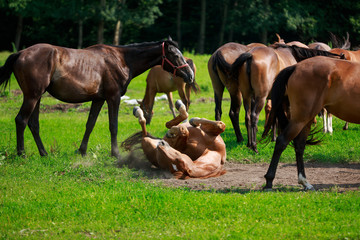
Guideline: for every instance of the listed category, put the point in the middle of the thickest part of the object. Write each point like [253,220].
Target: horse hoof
[265,189]
[309,188]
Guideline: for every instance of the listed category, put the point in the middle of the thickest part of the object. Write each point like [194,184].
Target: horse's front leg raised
[93,115]
[113,105]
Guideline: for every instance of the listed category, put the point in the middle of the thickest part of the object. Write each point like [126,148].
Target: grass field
[66,196]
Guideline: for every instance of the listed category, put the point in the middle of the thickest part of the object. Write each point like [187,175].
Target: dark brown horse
[255,71]
[219,70]
[160,81]
[298,95]
[98,73]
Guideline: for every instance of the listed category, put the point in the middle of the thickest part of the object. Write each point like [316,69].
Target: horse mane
[147,44]
[135,139]
[301,53]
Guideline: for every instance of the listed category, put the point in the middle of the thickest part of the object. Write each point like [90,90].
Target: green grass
[66,196]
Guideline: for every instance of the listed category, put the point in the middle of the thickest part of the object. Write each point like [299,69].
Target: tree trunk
[178,23]
[101,24]
[232,24]
[117,34]
[201,42]
[19,29]
[264,31]
[223,23]
[80,37]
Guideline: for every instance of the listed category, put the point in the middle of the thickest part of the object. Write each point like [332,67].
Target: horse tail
[7,69]
[278,98]
[245,57]
[221,63]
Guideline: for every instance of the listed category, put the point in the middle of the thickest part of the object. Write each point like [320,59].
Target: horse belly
[70,88]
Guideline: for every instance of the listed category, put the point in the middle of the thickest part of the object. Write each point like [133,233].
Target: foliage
[247,21]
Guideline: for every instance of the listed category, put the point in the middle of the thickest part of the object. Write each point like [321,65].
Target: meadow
[66,196]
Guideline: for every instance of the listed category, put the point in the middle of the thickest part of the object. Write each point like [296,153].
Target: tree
[201,41]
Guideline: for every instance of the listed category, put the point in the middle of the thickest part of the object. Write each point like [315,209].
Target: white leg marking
[305,183]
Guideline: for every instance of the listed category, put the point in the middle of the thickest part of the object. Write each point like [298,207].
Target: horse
[98,73]
[160,81]
[255,71]
[298,95]
[292,43]
[193,149]
[219,70]
[319,46]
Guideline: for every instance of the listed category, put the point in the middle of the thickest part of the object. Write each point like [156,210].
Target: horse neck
[140,58]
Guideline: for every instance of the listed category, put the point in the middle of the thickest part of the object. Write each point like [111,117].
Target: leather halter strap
[164,58]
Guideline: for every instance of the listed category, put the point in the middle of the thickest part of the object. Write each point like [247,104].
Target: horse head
[174,62]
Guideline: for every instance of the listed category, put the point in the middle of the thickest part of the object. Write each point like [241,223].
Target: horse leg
[113,106]
[255,112]
[22,120]
[211,127]
[346,126]
[247,104]
[171,103]
[329,121]
[184,98]
[234,114]
[35,129]
[290,132]
[299,145]
[93,115]
[218,96]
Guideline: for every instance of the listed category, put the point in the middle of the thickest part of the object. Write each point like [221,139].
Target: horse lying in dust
[298,95]
[160,81]
[98,73]
[193,149]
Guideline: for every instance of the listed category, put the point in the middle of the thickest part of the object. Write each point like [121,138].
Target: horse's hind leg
[290,132]
[299,144]
[22,120]
[234,114]
[35,129]
[211,127]
[93,115]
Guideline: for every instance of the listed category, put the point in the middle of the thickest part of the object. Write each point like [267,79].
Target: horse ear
[169,38]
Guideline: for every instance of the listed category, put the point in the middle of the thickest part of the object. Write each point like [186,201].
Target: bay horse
[160,81]
[255,72]
[219,66]
[193,149]
[98,73]
[298,95]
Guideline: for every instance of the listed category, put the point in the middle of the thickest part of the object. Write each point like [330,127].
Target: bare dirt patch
[250,177]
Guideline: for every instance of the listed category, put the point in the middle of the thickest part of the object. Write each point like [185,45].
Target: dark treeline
[201,26]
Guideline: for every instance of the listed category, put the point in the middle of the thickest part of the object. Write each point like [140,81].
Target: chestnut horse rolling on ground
[98,73]
[193,149]
[160,81]
[298,95]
